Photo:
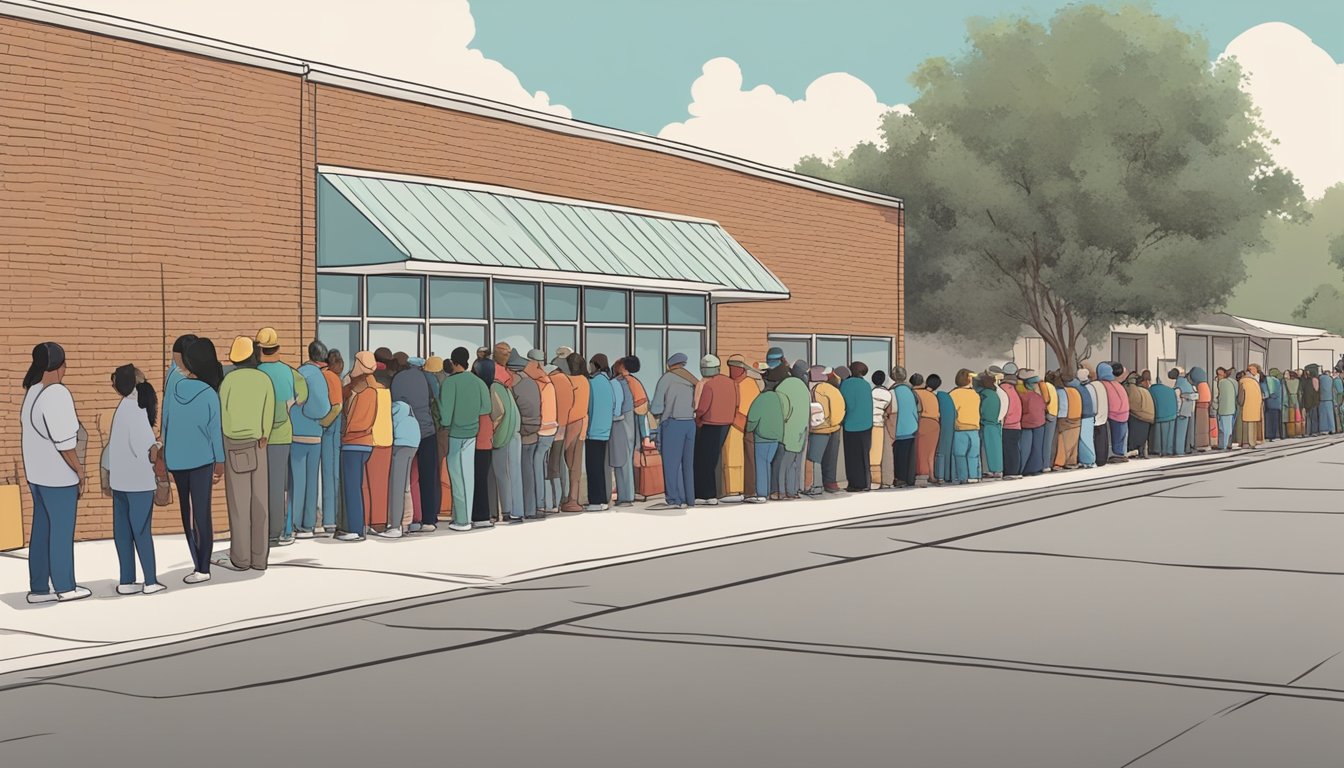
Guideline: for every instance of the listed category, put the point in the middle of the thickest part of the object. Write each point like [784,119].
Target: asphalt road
[1184,617]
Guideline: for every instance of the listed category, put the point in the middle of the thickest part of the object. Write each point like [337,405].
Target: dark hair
[916,379]
[202,361]
[123,379]
[576,364]
[985,380]
[382,355]
[631,364]
[183,341]
[599,362]
[461,358]
[935,381]
[148,399]
[879,378]
[484,370]
[963,377]
[317,351]
[47,357]
[858,369]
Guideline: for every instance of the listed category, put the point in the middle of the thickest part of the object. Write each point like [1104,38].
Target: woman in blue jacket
[601,410]
[193,448]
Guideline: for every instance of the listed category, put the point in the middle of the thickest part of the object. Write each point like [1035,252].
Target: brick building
[154,183]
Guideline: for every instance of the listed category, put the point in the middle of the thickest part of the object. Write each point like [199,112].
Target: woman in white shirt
[129,456]
[50,434]
[883,419]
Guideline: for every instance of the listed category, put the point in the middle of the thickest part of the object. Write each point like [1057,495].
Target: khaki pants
[1066,439]
[246,490]
[734,463]
[574,461]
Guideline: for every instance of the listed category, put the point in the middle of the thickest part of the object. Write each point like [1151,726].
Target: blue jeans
[132,523]
[676,442]
[331,471]
[1087,451]
[765,456]
[51,548]
[507,467]
[965,455]
[1182,430]
[1225,430]
[462,476]
[304,461]
[352,486]
[1119,438]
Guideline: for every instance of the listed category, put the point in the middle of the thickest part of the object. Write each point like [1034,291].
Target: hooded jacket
[1033,406]
[797,413]
[1227,396]
[193,437]
[1117,400]
[306,417]
[1165,403]
[1188,397]
[405,427]
[1013,419]
[989,406]
[1140,403]
[1201,381]
[1274,390]
[1100,401]
[601,407]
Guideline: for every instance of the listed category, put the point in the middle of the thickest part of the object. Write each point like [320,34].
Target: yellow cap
[267,337]
[241,350]
[434,365]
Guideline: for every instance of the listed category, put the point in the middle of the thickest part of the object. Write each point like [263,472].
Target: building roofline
[164,37]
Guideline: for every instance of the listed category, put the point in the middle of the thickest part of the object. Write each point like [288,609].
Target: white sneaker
[484,524]
[304,535]
[734,499]
[153,588]
[426,528]
[755,500]
[78,593]
[973,480]
[319,531]
[349,537]
[129,589]
[703,502]
[713,502]
[595,507]
[414,528]
[685,506]
[459,527]
[391,533]
[196,577]
[36,597]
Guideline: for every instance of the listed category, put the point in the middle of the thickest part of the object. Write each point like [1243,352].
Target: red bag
[648,472]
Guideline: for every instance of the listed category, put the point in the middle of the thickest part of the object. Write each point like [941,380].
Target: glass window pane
[652,361]
[648,309]
[607,341]
[832,351]
[394,296]
[562,302]
[340,336]
[457,298]
[338,295]
[443,339]
[794,349]
[689,343]
[603,306]
[520,336]
[685,310]
[873,352]
[558,336]
[397,337]
[515,301]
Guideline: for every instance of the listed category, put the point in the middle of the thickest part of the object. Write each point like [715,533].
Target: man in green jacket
[1225,401]
[765,423]
[247,415]
[787,468]
[463,400]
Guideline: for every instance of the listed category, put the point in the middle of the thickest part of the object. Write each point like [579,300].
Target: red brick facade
[147,192]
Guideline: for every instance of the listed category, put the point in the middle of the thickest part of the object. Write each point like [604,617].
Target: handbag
[163,492]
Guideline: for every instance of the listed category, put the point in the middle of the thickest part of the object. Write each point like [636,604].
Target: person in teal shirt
[907,426]
[601,407]
[947,427]
[463,400]
[857,392]
[991,428]
[765,423]
[290,390]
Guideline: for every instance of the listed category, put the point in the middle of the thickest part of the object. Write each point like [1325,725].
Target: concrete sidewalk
[323,576]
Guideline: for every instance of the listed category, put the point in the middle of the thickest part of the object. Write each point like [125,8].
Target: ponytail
[148,399]
[47,357]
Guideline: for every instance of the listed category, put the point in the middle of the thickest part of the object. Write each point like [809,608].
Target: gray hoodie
[412,388]
[527,394]
[674,397]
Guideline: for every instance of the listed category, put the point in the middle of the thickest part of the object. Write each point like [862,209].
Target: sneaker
[625,503]
[304,535]
[684,506]
[663,505]
[129,589]
[702,502]
[973,480]
[391,533]
[283,541]
[414,528]
[755,500]
[349,537]
[595,508]
[196,577]
[814,492]
[486,524]
[152,589]
[511,520]
[459,527]
[78,593]
[319,531]
[223,560]
[42,597]
[736,498]
[427,528]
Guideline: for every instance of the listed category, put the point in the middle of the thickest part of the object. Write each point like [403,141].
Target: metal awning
[431,225]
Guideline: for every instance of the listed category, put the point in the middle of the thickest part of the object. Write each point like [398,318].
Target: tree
[1071,177]
[1295,259]
[1324,308]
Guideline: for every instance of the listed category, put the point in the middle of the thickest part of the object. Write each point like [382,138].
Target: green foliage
[1297,256]
[1324,308]
[1073,177]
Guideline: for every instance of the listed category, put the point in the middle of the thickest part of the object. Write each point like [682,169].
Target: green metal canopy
[367,220]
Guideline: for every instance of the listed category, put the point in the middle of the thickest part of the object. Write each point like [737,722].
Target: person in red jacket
[714,413]
[1012,424]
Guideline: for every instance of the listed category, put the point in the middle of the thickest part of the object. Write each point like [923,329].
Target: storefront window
[398,337]
[343,336]
[794,348]
[443,339]
[652,361]
[873,352]
[604,306]
[338,295]
[689,343]
[515,301]
[562,303]
[456,298]
[397,296]
[606,341]
[648,309]
[832,351]
[685,310]
[558,336]
[520,336]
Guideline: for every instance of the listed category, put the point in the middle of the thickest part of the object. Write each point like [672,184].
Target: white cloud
[1299,89]
[422,41]
[837,112]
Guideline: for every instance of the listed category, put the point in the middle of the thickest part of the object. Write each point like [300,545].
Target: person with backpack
[130,454]
[50,435]
[825,416]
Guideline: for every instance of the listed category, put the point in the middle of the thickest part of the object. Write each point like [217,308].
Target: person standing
[906,405]
[1013,460]
[1050,395]
[1141,415]
[405,444]
[1326,393]
[739,459]
[1033,423]
[1292,411]
[176,373]
[482,516]
[1117,403]
[583,393]
[1087,456]
[991,429]
[129,457]
[193,448]
[290,390]
[535,395]
[858,426]
[947,423]
[1070,422]
[883,421]
[673,405]
[378,470]
[827,415]
[765,425]
[966,430]
[1310,398]
[1253,407]
[247,416]
[50,434]
[1166,406]
[463,400]
[1203,399]
[305,457]
[332,426]
[506,465]
[714,413]
[361,416]
[1273,390]
[557,470]
[412,386]
[621,444]
[926,440]
[1225,406]
[1187,398]
[1101,432]
[788,470]
[601,405]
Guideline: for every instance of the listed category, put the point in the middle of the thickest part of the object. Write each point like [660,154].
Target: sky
[770,80]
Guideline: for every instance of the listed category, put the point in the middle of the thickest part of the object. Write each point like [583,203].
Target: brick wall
[144,194]
[840,258]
